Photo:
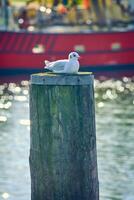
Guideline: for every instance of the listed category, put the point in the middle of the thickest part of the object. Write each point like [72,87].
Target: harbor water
[115,139]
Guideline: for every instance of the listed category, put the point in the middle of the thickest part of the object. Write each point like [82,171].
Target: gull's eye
[74,55]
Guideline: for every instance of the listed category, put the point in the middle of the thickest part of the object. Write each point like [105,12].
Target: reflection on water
[115,140]
[115,114]
[14,142]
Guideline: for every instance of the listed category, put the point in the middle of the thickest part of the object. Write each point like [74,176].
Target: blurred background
[102,32]
[38,14]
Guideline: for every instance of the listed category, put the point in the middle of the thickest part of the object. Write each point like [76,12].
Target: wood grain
[63,160]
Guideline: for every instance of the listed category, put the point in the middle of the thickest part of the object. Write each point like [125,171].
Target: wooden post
[63,161]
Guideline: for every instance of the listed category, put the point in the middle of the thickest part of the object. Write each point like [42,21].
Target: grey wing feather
[56,65]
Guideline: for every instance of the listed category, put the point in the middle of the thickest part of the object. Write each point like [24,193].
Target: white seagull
[70,65]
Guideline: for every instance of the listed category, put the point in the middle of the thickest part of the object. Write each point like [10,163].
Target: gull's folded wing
[56,65]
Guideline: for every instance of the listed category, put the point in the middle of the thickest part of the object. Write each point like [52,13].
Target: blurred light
[96,95]
[20,98]
[17,90]
[25,92]
[1,105]
[125,79]
[48,10]
[5,195]
[31,28]
[12,87]
[115,46]
[80,48]
[121,89]
[24,83]
[21,21]
[24,122]
[128,86]
[10,97]
[100,104]
[42,9]
[89,22]
[39,48]
[3,119]
[7,105]
[109,94]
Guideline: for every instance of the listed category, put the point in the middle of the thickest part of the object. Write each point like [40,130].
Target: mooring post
[63,160]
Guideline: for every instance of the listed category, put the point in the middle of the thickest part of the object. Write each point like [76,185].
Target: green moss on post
[63,161]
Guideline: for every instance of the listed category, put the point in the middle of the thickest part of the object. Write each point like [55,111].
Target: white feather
[70,65]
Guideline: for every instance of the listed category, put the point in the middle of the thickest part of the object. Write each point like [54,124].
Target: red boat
[104,53]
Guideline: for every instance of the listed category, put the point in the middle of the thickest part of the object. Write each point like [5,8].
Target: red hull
[103,53]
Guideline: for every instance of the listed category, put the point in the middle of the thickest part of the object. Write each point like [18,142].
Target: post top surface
[82,78]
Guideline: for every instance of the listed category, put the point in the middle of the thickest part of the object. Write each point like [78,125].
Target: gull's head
[73,55]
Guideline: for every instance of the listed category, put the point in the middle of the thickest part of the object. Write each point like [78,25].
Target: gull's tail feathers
[46,63]
[48,66]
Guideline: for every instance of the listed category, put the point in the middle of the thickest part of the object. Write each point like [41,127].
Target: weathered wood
[63,161]
[58,79]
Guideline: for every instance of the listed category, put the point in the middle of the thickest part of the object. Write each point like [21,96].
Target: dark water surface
[115,140]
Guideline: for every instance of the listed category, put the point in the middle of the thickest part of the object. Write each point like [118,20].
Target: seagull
[70,65]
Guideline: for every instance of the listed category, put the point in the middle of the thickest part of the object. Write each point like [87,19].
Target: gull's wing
[57,65]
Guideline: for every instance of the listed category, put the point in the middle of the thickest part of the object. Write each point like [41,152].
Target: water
[115,140]
[14,143]
[115,123]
